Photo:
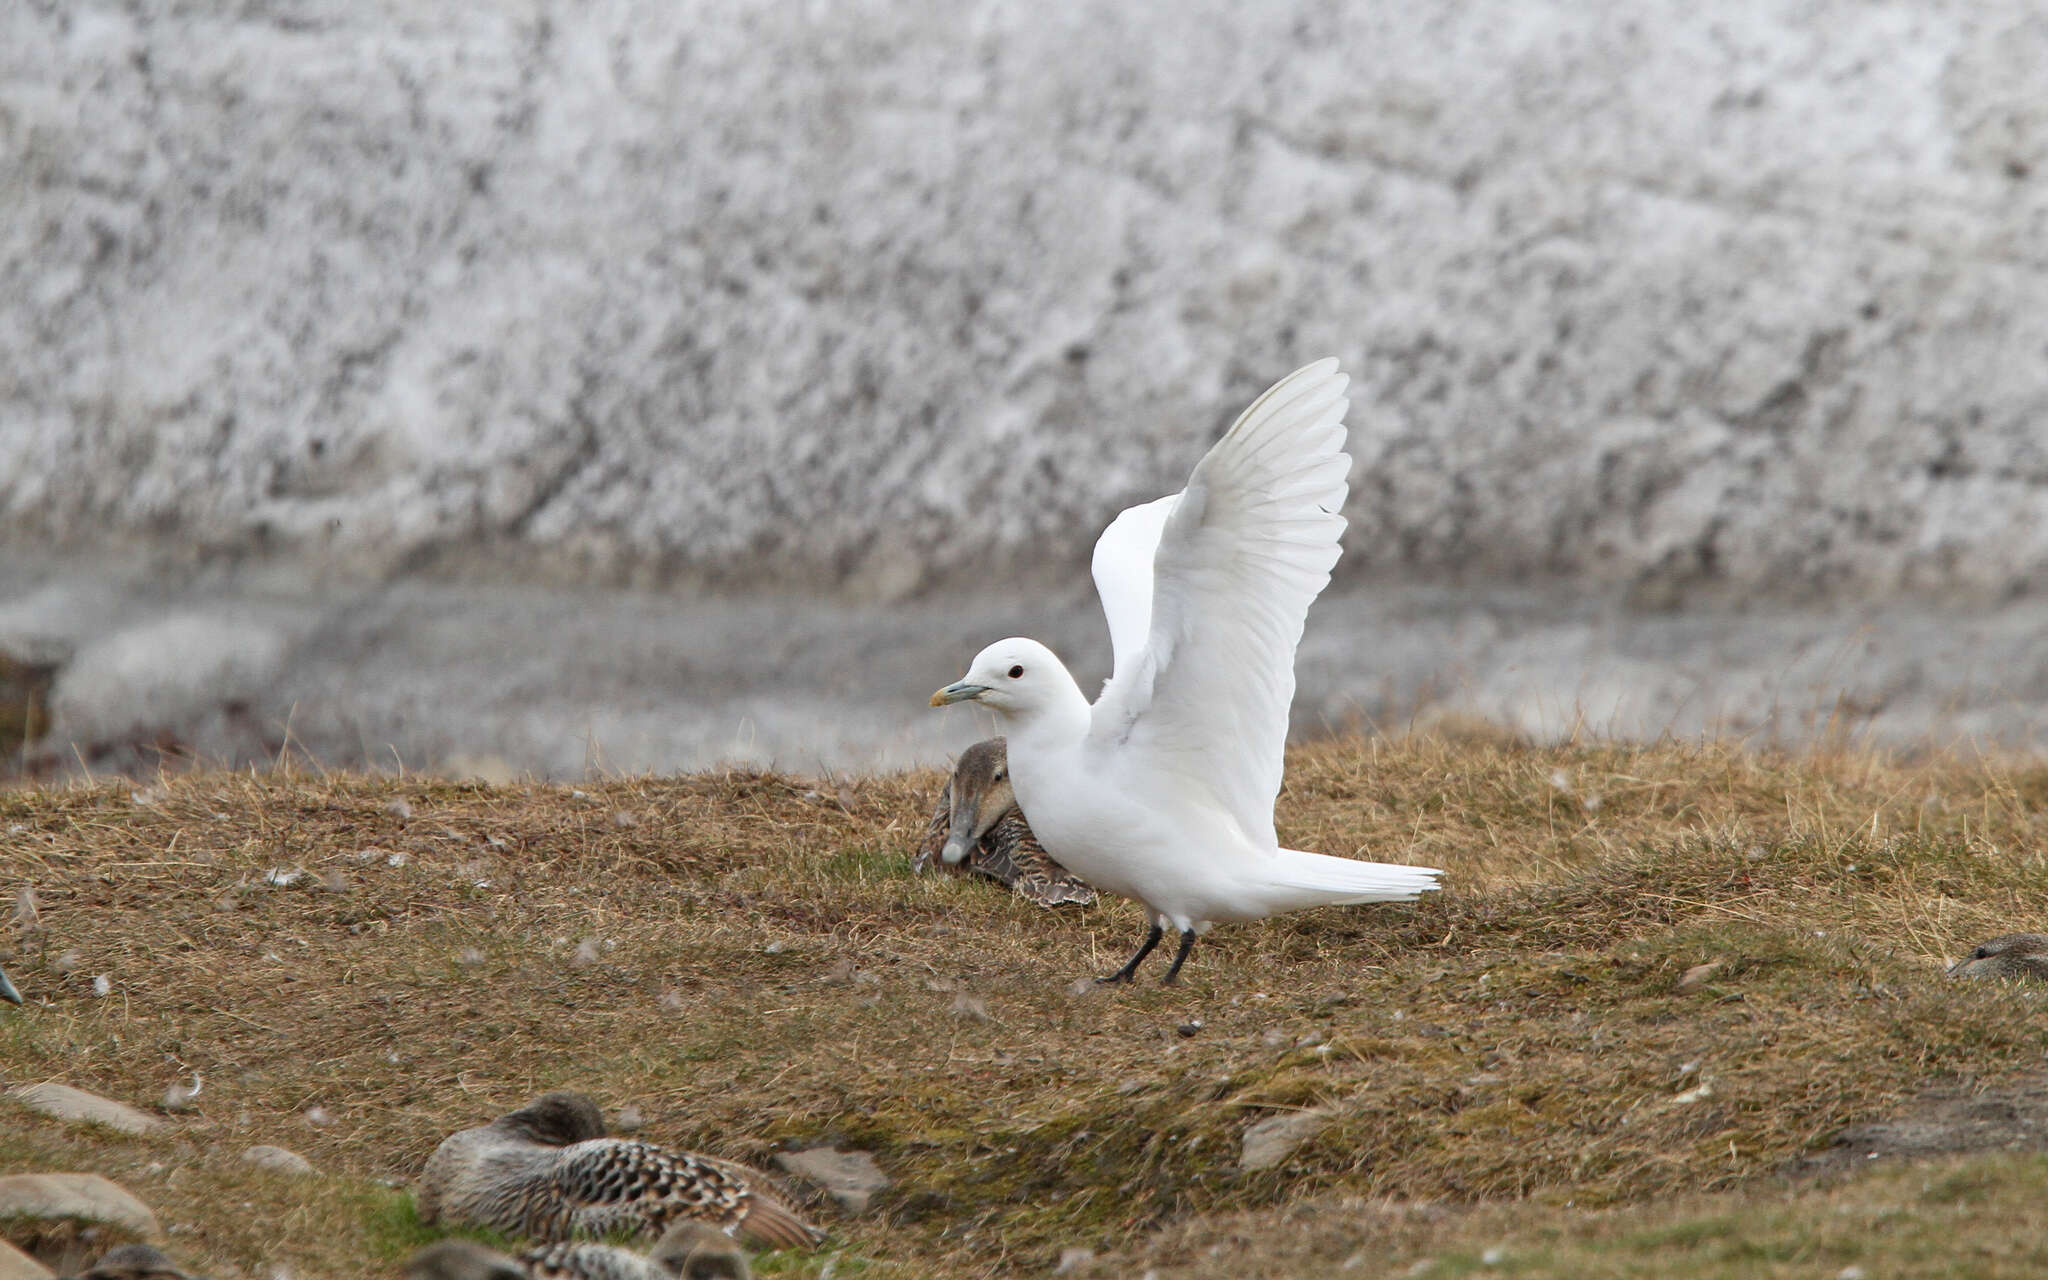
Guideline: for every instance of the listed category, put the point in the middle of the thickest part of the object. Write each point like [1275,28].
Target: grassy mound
[1538,1061]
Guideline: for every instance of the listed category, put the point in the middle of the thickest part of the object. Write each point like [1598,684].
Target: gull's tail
[1297,879]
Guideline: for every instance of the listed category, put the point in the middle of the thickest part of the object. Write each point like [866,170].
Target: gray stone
[1712,304]
[79,1197]
[1695,977]
[850,1177]
[63,1102]
[1271,1140]
[279,1160]
[16,1265]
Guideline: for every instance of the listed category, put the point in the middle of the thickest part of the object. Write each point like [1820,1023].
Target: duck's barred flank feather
[690,1251]
[1011,854]
[584,1260]
[519,1175]
[936,831]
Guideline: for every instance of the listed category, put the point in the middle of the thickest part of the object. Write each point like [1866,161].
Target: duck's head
[556,1119]
[981,796]
[2009,955]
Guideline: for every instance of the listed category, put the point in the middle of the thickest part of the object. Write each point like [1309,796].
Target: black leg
[1131,966]
[1187,944]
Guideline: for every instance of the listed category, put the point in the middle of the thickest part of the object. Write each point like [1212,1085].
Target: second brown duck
[977,827]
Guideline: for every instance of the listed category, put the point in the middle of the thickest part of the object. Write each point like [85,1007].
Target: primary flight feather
[1163,790]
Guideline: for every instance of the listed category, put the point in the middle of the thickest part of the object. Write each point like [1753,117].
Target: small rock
[399,809]
[78,1197]
[398,858]
[1493,1257]
[62,1102]
[1696,976]
[279,1160]
[630,1119]
[587,952]
[179,1096]
[102,986]
[850,1177]
[623,819]
[317,1115]
[970,1008]
[493,770]
[1271,1140]
[1851,1272]
[1188,1030]
[772,949]
[1695,1094]
[283,877]
[16,1265]
[1074,1261]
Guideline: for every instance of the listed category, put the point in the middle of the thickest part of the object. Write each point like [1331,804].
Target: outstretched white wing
[1242,553]
[1123,577]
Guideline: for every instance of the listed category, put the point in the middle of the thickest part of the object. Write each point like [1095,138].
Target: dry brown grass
[769,974]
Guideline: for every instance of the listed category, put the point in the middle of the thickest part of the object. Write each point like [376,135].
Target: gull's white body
[1163,790]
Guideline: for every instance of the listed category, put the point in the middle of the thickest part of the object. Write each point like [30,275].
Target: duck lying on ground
[978,827]
[548,1172]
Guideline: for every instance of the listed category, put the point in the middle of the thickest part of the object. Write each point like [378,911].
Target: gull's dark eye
[1016,671]
[1001,774]
[1980,954]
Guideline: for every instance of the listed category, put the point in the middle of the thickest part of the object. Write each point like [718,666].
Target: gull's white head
[1013,677]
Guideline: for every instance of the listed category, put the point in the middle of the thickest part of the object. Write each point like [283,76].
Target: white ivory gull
[1163,790]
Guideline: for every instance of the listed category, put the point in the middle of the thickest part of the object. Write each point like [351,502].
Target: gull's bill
[958,691]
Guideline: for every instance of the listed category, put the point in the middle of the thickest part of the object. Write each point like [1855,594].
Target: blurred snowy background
[504,386]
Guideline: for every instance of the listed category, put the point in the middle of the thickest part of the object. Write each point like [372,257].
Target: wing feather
[1240,555]
[1122,568]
